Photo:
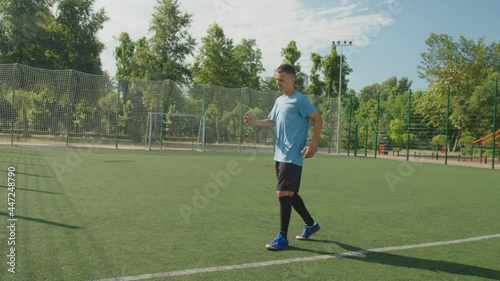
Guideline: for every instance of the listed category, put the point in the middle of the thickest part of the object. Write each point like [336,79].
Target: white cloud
[272,23]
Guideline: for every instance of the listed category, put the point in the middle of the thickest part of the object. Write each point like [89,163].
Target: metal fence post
[409,129]
[68,107]
[376,129]
[203,117]
[240,142]
[163,92]
[117,112]
[366,140]
[447,127]
[494,124]
[13,100]
[349,130]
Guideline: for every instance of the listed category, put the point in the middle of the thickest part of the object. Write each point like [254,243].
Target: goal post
[175,130]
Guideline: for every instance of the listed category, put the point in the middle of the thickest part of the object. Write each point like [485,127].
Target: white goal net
[174,131]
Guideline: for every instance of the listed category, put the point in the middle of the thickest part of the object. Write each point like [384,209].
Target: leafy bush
[466,151]
[466,141]
[439,140]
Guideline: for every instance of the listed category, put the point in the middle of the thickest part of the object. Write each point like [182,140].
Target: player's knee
[281,193]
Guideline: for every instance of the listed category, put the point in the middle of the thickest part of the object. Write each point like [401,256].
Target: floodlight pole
[339,113]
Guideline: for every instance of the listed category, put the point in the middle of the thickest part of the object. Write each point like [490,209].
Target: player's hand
[309,150]
[248,119]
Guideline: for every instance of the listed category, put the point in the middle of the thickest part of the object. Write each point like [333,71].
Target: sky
[388,36]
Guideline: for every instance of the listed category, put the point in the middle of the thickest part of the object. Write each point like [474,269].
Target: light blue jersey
[290,116]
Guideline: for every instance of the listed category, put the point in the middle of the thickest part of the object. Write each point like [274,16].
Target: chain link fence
[435,138]
[71,108]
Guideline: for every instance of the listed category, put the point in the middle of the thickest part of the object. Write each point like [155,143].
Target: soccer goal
[174,131]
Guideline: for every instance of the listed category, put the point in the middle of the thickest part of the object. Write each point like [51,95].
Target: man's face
[285,82]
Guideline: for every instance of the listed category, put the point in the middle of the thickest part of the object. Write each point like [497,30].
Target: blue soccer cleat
[308,231]
[278,243]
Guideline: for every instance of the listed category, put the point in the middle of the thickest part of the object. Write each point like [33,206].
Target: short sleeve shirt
[290,116]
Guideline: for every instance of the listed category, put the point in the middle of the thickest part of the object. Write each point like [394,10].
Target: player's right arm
[257,123]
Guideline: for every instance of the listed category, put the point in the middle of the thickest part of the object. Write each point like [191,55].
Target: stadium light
[341,44]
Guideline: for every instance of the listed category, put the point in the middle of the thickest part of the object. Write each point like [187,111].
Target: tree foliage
[464,69]
[171,43]
[124,54]
[33,35]
[62,34]
[78,25]
[24,29]
[249,57]
[331,71]
[316,86]
[291,55]
[216,62]
[164,55]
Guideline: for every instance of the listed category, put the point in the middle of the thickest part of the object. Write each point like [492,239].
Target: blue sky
[396,50]
[388,35]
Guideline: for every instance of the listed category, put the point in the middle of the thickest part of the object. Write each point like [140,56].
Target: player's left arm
[310,148]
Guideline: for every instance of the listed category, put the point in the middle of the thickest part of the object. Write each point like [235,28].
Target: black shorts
[288,175]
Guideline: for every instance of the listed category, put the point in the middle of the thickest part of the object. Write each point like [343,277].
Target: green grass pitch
[91,214]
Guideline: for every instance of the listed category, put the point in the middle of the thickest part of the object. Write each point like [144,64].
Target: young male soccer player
[290,115]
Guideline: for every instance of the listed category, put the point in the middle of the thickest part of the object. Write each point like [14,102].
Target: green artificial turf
[90,214]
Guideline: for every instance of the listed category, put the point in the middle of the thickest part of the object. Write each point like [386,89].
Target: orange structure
[488,138]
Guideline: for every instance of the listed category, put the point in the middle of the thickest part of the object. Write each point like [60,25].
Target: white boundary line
[313,258]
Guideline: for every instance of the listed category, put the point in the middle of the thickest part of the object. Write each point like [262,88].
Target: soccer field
[97,214]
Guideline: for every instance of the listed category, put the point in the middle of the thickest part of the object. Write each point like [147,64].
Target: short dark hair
[286,68]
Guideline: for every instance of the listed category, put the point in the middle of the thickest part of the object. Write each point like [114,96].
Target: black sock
[285,214]
[300,207]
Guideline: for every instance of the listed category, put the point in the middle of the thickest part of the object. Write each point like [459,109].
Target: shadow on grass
[118,161]
[34,190]
[20,163]
[32,175]
[359,254]
[42,221]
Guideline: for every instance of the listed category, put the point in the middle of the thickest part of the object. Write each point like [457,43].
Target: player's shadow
[359,254]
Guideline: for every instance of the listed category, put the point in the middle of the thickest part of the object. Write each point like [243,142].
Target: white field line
[313,258]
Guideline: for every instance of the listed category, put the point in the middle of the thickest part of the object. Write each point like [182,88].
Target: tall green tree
[291,55]
[171,43]
[80,47]
[142,67]
[269,84]
[31,34]
[393,87]
[316,85]
[25,35]
[216,63]
[331,71]
[394,95]
[369,93]
[250,58]
[464,68]
[124,54]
